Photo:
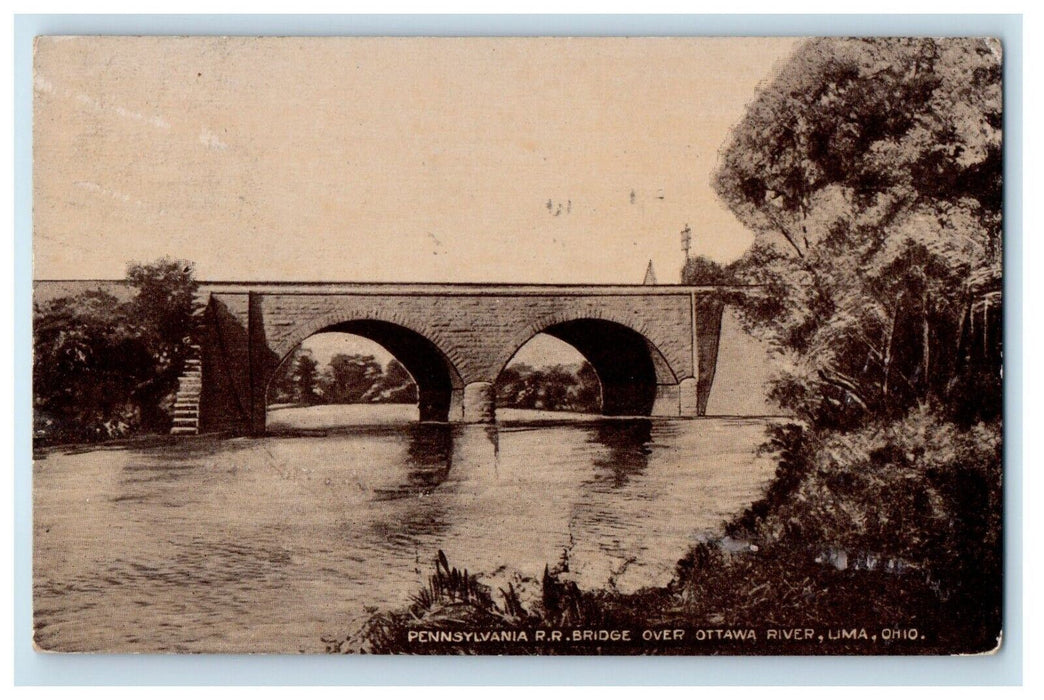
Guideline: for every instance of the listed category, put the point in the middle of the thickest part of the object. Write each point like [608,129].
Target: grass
[893,527]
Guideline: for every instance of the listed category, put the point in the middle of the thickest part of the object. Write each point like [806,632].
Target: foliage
[353,378]
[89,362]
[347,378]
[457,600]
[452,599]
[449,584]
[306,376]
[870,171]
[165,306]
[715,586]
[282,387]
[103,368]
[395,385]
[296,380]
[879,128]
[917,493]
[554,388]
[699,270]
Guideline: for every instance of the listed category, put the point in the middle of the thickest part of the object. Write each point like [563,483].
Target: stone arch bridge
[654,348]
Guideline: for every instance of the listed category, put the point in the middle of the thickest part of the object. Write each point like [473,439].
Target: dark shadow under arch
[625,361]
[434,374]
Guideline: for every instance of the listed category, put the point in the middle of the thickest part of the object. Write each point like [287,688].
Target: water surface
[268,544]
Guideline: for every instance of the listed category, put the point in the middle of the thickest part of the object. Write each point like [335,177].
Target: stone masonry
[654,347]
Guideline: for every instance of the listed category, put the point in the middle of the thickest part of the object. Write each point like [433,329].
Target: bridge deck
[457,289]
[44,289]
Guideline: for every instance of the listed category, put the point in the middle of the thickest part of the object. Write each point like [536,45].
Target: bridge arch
[439,383]
[463,335]
[630,366]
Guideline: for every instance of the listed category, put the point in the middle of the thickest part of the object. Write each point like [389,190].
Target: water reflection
[620,493]
[262,545]
[429,458]
[628,450]
[433,449]
[415,513]
[476,451]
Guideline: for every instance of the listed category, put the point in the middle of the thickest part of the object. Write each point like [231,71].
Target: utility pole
[686,241]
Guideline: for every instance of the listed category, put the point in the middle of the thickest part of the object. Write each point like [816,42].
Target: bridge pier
[480,403]
[456,406]
[639,339]
[689,398]
[666,401]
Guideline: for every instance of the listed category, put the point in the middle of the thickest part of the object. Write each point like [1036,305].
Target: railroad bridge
[654,347]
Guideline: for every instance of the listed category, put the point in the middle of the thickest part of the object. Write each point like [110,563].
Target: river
[268,544]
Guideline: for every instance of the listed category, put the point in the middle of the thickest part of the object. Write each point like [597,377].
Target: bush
[105,369]
[904,488]
[919,497]
[699,270]
[554,388]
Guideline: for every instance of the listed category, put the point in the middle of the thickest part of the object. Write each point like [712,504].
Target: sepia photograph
[518,346]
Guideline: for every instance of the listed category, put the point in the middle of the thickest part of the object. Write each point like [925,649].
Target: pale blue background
[33,668]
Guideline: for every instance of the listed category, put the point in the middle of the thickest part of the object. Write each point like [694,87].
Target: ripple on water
[267,544]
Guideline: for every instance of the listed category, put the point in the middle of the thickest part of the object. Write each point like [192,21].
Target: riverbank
[286,418]
[884,540]
[777,602]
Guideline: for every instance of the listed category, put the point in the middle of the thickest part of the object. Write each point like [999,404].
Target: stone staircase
[186,403]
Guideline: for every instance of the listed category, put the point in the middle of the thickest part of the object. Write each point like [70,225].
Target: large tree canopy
[870,172]
[873,129]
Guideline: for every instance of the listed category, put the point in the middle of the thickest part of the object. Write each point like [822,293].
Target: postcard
[517,345]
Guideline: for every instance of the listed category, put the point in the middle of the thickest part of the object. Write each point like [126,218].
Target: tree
[870,172]
[282,388]
[103,368]
[551,388]
[395,385]
[165,307]
[349,377]
[89,363]
[306,378]
[587,395]
[699,270]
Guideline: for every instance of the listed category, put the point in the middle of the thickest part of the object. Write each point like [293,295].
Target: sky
[442,160]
